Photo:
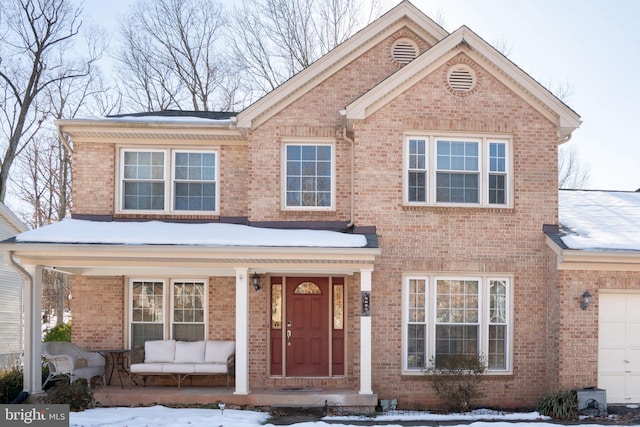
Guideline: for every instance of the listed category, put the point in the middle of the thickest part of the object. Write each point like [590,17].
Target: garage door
[619,347]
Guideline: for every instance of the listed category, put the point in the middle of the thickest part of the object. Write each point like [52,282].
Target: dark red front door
[307,326]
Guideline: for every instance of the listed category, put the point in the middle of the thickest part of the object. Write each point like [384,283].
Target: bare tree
[37,35]
[274,39]
[572,172]
[171,56]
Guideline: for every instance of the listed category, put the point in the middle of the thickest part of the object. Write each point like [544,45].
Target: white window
[158,311]
[308,171]
[456,315]
[169,181]
[457,171]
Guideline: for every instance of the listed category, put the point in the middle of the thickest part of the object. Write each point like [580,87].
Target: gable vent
[461,79]
[404,51]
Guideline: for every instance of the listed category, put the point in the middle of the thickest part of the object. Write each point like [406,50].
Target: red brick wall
[93,178]
[98,310]
[578,336]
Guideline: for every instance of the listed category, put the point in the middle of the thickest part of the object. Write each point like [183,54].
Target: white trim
[430,280]
[330,142]
[365,338]
[484,140]
[168,179]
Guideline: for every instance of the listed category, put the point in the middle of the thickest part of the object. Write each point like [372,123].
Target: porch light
[255,281]
[586,298]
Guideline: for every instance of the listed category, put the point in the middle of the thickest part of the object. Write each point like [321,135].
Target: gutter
[352,220]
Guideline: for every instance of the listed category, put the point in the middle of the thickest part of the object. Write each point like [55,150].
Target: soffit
[594,260]
[175,259]
[466,41]
[103,130]
[404,15]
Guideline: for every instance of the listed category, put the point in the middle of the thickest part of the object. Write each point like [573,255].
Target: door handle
[288,337]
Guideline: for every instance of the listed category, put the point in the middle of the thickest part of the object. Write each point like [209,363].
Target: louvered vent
[404,51]
[461,79]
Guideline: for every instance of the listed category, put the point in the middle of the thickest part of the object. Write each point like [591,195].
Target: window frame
[168,320]
[430,324]
[286,142]
[169,180]
[431,169]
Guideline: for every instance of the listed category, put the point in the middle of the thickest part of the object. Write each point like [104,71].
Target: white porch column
[365,332]
[242,331]
[32,302]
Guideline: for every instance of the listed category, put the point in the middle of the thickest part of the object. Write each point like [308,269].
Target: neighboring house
[596,250]
[389,200]
[11,285]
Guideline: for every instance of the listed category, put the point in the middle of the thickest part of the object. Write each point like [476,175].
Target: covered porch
[151,249]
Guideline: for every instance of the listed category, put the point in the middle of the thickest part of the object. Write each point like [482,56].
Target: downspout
[64,140]
[343,113]
[8,256]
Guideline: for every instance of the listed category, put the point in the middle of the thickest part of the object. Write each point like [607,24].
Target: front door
[307,326]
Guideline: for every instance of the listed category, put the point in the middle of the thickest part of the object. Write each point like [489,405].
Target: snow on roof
[167,233]
[600,220]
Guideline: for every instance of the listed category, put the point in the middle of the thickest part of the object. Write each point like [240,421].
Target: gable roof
[404,14]
[12,219]
[466,41]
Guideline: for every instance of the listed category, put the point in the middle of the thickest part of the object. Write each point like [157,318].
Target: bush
[11,383]
[59,333]
[456,379]
[560,406]
[77,395]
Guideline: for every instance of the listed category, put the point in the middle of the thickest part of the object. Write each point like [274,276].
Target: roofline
[343,54]
[466,41]
[603,260]
[13,218]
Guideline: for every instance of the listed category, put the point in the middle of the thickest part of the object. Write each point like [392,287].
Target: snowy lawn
[160,416]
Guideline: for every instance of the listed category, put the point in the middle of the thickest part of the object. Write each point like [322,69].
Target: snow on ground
[160,416]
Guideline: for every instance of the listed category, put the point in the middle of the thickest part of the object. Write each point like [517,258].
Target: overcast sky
[590,46]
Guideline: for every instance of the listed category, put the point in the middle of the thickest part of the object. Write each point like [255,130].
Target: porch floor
[114,395]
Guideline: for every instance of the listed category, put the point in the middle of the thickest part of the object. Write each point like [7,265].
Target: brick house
[402,180]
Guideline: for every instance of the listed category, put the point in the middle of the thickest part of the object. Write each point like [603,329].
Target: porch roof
[212,249]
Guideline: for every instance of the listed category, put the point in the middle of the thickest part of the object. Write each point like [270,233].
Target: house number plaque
[365,299]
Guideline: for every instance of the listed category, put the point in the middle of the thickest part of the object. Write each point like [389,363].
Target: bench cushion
[161,351]
[211,368]
[218,351]
[147,368]
[189,352]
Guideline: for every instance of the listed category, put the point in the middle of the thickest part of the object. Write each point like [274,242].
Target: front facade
[427,162]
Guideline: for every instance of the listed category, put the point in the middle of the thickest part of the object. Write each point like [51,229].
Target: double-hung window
[465,171]
[447,316]
[161,309]
[309,175]
[170,181]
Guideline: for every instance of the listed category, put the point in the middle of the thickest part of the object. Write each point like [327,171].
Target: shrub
[561,406]
[11,382]
[456,379]
[77,395]
[59,333]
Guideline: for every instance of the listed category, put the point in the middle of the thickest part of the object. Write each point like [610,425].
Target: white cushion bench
[181,359]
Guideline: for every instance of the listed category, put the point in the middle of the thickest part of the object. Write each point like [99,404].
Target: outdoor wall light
[586,298]
[255,281]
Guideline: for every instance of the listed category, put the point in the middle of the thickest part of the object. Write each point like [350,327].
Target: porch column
[242,331]
[365,332]
[32,303]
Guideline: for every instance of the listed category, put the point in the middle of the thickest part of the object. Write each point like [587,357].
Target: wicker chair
[65,358]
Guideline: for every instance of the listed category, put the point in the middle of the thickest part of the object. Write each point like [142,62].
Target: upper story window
[457,171]
[308,171]
[169,181]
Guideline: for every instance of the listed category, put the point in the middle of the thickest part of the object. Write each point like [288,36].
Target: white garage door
[619,347]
